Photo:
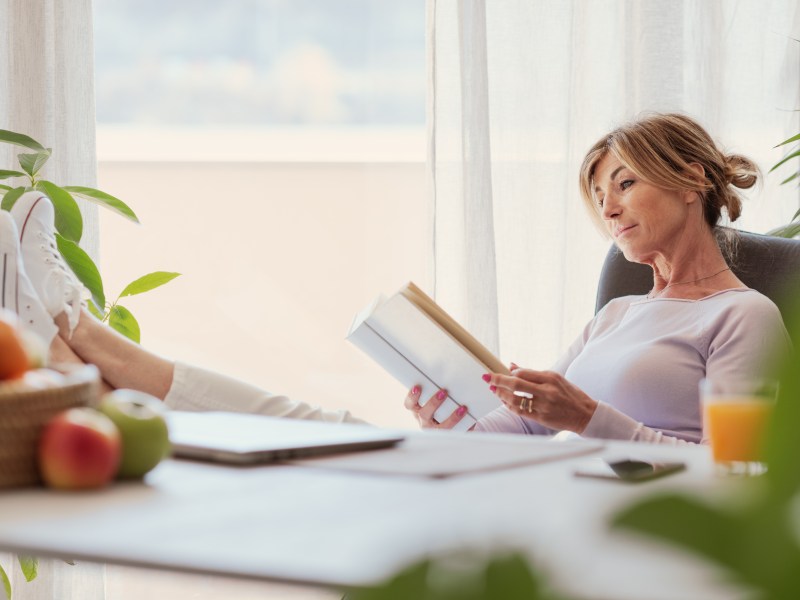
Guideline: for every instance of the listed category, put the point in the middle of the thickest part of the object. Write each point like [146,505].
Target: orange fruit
[13,357]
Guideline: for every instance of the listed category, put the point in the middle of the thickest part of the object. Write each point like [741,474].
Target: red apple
[80,448]
[13,358]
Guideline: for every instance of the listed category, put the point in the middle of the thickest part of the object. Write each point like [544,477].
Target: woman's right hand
[424,414]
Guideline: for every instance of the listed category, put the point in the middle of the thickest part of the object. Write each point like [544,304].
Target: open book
[418,343]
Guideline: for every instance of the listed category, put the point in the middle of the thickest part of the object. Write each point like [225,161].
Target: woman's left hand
[554,401]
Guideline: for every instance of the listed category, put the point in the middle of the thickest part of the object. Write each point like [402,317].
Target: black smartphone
[627,470]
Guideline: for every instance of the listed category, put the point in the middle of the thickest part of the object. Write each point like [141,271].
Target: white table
[335,528]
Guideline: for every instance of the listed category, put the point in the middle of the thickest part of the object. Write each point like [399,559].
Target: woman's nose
[611,207]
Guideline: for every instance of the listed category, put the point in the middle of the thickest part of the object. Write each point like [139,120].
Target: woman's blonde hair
[659,148]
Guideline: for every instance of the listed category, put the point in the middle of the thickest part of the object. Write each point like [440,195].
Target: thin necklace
[652,294]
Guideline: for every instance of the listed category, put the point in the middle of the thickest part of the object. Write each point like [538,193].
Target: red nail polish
[461,411]
[415,390]
[492,388]
[486,377]
[441,394]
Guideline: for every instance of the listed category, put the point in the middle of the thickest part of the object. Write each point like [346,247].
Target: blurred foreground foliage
[463,576]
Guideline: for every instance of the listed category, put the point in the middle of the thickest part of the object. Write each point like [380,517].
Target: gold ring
[526,404]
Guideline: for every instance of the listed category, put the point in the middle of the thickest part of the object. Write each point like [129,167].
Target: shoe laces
[53,256]
[73,299]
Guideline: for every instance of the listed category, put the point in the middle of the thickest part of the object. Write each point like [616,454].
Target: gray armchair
[768,264]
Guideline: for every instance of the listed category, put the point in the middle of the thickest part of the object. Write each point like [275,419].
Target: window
[274,152]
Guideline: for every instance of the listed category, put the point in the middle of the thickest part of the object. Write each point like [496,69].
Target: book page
[425,303]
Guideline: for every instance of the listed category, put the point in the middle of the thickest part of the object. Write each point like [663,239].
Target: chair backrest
[768,264]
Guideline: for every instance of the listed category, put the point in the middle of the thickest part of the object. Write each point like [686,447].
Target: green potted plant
[69,228]
[791,229]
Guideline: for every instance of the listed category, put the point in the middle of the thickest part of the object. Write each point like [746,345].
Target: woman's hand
[424,414]
[545,397]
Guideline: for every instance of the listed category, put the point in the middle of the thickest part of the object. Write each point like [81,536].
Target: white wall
[276,260]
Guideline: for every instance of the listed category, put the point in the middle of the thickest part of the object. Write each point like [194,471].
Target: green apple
[141,421]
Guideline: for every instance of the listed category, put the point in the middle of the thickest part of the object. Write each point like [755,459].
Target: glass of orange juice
[736,413]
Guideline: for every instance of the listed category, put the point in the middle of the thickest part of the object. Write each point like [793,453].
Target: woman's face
[645,221]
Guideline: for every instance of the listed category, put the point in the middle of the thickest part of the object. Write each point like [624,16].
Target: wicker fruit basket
[23,414]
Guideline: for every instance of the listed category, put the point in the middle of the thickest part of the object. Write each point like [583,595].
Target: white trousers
[195,389]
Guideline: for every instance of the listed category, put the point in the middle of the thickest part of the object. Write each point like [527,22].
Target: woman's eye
[626,184]
[600,202]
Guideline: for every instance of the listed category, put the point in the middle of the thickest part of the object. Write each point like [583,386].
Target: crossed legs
[122,363]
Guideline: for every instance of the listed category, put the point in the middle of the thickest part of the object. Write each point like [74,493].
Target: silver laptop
[251,439]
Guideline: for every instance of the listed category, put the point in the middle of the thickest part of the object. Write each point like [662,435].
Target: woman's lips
[619,232]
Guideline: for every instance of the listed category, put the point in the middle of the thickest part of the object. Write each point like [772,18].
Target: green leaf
[686,522]
[29,566]
[789,141]
[19,139]
[83,267]
[785,159]
[6,582]
[461,576]
[411,582]
[148,282]
[755,543]
[7,188]
[786,231]
[103,199]
[121,319]
[69,221]
[791,177]
[511,578]
[8,174]
[783,443]
[32,163]
[10,198]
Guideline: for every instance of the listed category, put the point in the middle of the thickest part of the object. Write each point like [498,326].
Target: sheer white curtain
[47,91]
[520,89]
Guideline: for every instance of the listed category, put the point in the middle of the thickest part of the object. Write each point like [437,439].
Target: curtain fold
[520,89]
[47,91]
[477,244]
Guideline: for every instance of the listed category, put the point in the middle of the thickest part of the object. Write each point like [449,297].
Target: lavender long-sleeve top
[643,359]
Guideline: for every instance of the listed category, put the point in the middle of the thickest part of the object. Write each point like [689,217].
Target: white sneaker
[54,282]
[16,291]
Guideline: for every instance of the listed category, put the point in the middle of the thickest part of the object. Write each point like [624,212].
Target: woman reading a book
[658,186]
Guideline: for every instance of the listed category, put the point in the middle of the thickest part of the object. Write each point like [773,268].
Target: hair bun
[740,171]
